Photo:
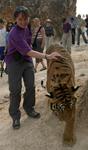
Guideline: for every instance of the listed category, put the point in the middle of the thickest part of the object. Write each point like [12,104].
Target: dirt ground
[45,133]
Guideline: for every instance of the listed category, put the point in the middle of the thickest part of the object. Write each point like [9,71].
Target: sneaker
[34,114]
[44,68]
[16,124]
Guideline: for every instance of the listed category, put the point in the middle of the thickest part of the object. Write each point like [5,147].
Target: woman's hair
[1,21]
[21,9]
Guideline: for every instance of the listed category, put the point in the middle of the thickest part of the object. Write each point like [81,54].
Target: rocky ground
[45,133]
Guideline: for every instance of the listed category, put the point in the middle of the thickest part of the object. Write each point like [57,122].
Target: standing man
[2,43]
[86,20]
[67,38]
[49,31]
[73,28]
[20,65]
[80,31]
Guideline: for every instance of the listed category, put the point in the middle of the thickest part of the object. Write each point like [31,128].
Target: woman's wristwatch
[46,56]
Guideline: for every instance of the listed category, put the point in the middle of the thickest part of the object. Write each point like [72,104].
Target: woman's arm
[23,48]
[36,54]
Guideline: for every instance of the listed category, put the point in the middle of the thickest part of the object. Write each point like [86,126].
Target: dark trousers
[73,35]
[17,71]
[79,32]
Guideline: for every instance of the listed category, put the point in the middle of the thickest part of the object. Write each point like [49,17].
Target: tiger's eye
[57,75]
[56,68]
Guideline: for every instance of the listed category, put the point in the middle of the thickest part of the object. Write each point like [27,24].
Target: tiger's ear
[74,89]
[50,95]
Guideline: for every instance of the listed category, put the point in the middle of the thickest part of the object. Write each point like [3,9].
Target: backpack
[49,31]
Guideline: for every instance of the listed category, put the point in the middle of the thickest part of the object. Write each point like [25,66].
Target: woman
[20,65]
[40,41]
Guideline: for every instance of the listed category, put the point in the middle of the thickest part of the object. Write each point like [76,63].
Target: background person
[67,37]
[40,41]
[80,29]
[49,32]
[73,28]
[2,43]
[9,26]
[86,21]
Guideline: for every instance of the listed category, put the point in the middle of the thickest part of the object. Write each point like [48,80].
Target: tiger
[61,90]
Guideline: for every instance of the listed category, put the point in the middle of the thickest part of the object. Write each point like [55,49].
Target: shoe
[34,114]
[16,124]
[44,68]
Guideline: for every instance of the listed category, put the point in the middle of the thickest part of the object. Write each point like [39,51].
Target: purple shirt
[19,40]
[66,27]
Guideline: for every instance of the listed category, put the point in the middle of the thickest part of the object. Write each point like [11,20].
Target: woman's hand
[53,55]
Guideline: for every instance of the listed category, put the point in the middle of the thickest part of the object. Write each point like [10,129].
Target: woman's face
[36,22]
[22,20]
